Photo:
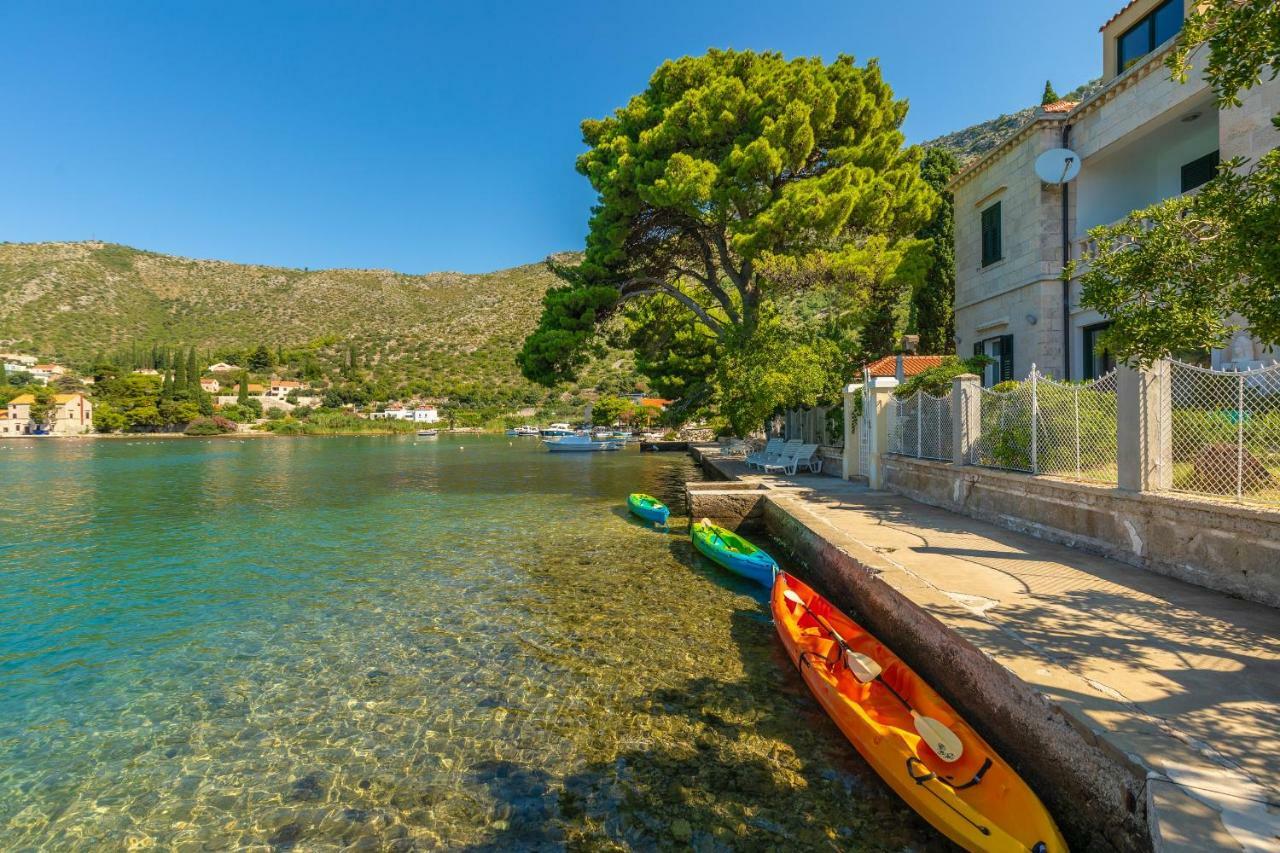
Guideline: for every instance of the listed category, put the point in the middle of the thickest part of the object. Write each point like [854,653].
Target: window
[1000,350]
[1199,171]
[991,248]
[1148,34]
[1098,360]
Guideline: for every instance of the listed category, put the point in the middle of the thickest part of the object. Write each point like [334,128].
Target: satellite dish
[1058,165]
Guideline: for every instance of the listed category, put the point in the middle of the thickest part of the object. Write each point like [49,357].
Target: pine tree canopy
[732,181]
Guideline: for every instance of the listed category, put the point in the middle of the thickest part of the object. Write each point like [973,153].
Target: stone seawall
[1095,792]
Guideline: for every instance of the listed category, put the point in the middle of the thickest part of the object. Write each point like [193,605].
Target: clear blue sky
[421,135]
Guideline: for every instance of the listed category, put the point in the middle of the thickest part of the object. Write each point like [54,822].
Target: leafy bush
[937,380]
[210,426]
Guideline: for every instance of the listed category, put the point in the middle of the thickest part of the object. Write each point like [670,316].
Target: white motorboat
[581,444]
[557,430]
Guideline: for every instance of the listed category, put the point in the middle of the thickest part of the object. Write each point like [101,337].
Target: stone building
[68,414]
[1141,138]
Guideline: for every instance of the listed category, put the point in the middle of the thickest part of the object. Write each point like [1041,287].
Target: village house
[1140,139]
[281,388]
[10,427]
[21,362]
[210,385]
[222,367]
[401,412]
[69,414]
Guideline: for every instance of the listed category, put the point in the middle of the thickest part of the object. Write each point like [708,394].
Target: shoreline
[252,433]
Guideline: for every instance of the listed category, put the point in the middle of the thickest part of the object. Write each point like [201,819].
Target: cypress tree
[166,387]
[242,398]
[179,374]
[1049,95]
[931,304]
[193,370]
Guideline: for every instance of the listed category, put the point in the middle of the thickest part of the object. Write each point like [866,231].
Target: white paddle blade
[940,739]
[864,669]
[792,596]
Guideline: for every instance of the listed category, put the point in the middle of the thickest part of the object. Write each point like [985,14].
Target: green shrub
[210,426]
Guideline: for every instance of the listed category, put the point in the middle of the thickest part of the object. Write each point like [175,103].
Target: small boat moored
[579,444]
[730,551]
[428,433]
[557,430]
[649,508]
[896,721]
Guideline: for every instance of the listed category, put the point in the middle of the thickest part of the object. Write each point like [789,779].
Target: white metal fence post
[1075,397]
[1035,424]
[1240,438]
[919,425]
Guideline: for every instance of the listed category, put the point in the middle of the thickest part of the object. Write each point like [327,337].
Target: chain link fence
[1225,432]
[921,427]
[1076,429]
[1006,434]
[1223,436]
[1042,426]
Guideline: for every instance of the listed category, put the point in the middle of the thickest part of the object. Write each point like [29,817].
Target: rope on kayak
[928,776]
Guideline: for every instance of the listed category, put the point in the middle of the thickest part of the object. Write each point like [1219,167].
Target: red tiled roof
[1059,106]
[912,365]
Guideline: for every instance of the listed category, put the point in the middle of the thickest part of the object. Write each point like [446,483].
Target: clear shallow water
[390,643]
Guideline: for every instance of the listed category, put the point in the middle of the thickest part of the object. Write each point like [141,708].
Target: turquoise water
[392,643]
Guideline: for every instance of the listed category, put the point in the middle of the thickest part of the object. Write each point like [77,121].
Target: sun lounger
[793,458]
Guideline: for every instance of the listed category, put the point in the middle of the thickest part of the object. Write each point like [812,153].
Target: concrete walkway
[1182,681]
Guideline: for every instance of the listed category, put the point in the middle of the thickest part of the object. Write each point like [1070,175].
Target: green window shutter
[1006,358]
[991,248]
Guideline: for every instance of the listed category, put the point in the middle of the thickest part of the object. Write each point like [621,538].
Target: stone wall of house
[1021,294]
[1246,130]
[1142,96]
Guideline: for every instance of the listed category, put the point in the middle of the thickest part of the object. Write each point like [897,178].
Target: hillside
[443,332]
[974,141]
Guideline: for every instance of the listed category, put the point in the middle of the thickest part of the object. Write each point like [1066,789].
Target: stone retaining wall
[1226,547]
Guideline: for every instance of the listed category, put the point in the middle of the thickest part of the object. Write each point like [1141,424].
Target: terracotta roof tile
[912,365]
[1059,106]
[1123,9]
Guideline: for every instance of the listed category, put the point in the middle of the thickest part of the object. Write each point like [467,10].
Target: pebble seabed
[505,677]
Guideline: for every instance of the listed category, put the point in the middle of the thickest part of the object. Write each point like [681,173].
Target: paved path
[1183,680]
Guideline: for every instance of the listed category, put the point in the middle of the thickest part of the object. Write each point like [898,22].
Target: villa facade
[1141,139]
[69,414]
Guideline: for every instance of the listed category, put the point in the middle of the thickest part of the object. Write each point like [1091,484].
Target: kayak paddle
[941,739]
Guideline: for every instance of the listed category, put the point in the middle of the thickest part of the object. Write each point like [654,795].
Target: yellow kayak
[977,800]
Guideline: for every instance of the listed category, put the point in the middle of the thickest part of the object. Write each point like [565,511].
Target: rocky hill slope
[457,333]
[974,141]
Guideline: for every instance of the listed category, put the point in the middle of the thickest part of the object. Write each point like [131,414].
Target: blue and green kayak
[729,550]
[648,507]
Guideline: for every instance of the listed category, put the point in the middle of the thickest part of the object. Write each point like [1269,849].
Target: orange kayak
[977,801]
